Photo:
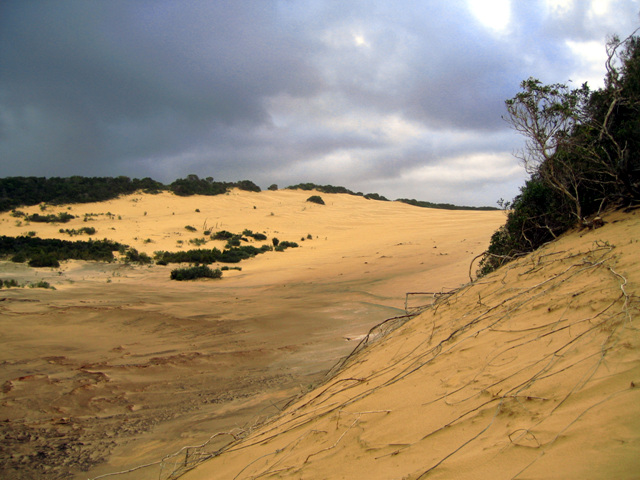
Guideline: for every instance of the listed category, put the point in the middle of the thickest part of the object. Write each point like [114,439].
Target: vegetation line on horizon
[27,191]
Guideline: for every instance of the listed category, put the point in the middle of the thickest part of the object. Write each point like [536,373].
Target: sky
[404,98]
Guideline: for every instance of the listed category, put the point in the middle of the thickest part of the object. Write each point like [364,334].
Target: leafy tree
[547,116]
[582,152]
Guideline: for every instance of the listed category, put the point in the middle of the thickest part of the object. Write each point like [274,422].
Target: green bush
[19,257]
[282,246]
[192,273]
[62,217]
[133,256]
[23,248]
[316,199]
[222,235]
[72,232]
[44,260]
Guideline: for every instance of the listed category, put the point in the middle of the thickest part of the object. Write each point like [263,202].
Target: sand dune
[120,366]
[532,372]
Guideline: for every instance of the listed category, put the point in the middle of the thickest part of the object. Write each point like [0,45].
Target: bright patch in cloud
[494,14]
[600,7]
[559,6]
[360,40]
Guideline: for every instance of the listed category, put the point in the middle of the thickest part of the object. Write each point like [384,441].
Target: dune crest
[531,372]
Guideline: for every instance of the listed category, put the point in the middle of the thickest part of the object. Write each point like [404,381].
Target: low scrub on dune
[43,251]
[209,256]
[78,231]
[192,273]
[282,246]
[62,217]
[13,283]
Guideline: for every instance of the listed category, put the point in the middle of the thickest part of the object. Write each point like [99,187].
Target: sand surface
[531,373]
[120,366]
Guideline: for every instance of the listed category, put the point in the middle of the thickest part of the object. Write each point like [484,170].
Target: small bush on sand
[41,284]
[316,199]
[44,260]
[222,235]
[282,246]
[191,273]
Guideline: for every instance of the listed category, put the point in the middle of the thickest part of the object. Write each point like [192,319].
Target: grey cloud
[273,90]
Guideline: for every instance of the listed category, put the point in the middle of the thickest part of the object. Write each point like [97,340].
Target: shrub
[190,228]
[19,257]
[44,260]
[222,235]
[133,256]
[62,217]
[282,246]
[72,232]
[316,199]
[192,273]
[233,242]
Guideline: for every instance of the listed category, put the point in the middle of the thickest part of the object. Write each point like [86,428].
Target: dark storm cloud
[366,94]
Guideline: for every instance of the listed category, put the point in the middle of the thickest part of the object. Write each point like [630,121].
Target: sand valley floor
[120,366]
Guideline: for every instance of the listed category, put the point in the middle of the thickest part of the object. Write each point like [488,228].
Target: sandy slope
[531,373]
[120,366]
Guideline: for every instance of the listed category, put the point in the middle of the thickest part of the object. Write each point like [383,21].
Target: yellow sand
[120,366]
[531,373]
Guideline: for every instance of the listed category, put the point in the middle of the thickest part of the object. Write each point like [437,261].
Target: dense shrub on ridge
[193,185]
[16,191]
